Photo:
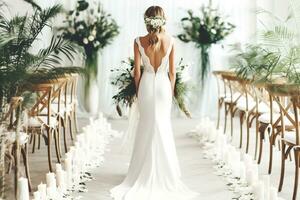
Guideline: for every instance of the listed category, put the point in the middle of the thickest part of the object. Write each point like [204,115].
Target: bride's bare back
[157,53]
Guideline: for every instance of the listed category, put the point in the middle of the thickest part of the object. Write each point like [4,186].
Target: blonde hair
[154,12]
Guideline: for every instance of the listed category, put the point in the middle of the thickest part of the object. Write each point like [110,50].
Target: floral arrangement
[204,30]
[92,28]
[155,22]
[123,78]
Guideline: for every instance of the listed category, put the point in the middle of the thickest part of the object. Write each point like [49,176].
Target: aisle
[197,172]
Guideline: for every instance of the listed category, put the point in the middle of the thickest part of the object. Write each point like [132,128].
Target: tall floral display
[204,30]
[92,28]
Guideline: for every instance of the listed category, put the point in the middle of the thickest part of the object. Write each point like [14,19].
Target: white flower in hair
[155,22]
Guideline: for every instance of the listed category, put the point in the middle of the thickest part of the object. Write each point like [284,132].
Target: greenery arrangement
[205,29]
[123,78]
[92,28]
[19,68]
[276,57]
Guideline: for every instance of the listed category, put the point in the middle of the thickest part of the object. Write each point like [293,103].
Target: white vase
[91,98]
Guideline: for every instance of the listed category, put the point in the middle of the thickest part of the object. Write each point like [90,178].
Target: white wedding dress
[154,172]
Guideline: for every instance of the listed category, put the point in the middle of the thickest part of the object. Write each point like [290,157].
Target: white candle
[51,192]
[68,167]
[248,161]
[50,180]
[42,190]
[37,195]
[242,171]
[23,189]
[61,182]
[258,190]
[273,193]
[58,167]
[266,181]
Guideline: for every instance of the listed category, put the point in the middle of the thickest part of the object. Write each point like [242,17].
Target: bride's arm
[172,68]
[137,66]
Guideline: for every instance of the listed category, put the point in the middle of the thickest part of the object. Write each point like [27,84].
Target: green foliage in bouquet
[204,29]
[92,28]
[123,78]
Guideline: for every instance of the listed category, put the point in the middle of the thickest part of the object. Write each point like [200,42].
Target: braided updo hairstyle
[154,19]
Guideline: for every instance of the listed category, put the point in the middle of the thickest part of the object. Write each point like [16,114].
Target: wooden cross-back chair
[42,120]
[13,145]
[233,94]
[270,122]
[287,98]
[221,93]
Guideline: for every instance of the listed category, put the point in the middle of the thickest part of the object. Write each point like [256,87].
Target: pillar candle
[61,182]
[242,171]
[68,167]
[266,181]
[258,190]
[42,190]
[50,180]
[37,195]
[248,161]
[58,167]
[51,193]
[23,189]
[273,193]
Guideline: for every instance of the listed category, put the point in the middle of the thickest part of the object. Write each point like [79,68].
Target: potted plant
[92,28]
[205,29]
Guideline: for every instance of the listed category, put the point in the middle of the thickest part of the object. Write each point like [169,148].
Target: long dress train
[154,172]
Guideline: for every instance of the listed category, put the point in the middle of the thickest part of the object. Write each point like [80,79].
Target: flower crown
[155,22]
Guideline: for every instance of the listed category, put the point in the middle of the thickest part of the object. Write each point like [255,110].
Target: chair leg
[256,146]
[219,113]
[241,128]
[49,149]
[24,152]
[282,167]
[231,121]
[58,137]
[75,119]
[296,153]
[248,138]
[71,127]
[271,155]
[34,139]
[65,127]
[56,145]
[261,145]
[225,121]
[39,141]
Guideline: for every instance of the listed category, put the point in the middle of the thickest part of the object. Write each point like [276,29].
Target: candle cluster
[87,153]
[238,169]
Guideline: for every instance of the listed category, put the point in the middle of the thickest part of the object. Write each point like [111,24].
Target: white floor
[197,172]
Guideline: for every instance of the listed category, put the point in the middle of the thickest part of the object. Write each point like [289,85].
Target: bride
[154,172]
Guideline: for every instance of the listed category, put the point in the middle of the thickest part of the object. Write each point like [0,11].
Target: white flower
[213,31]
[80,27]
[202,22]
[94,32]
[85,41]
[71,30]
[155,22]
[91,38]
[96,44]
